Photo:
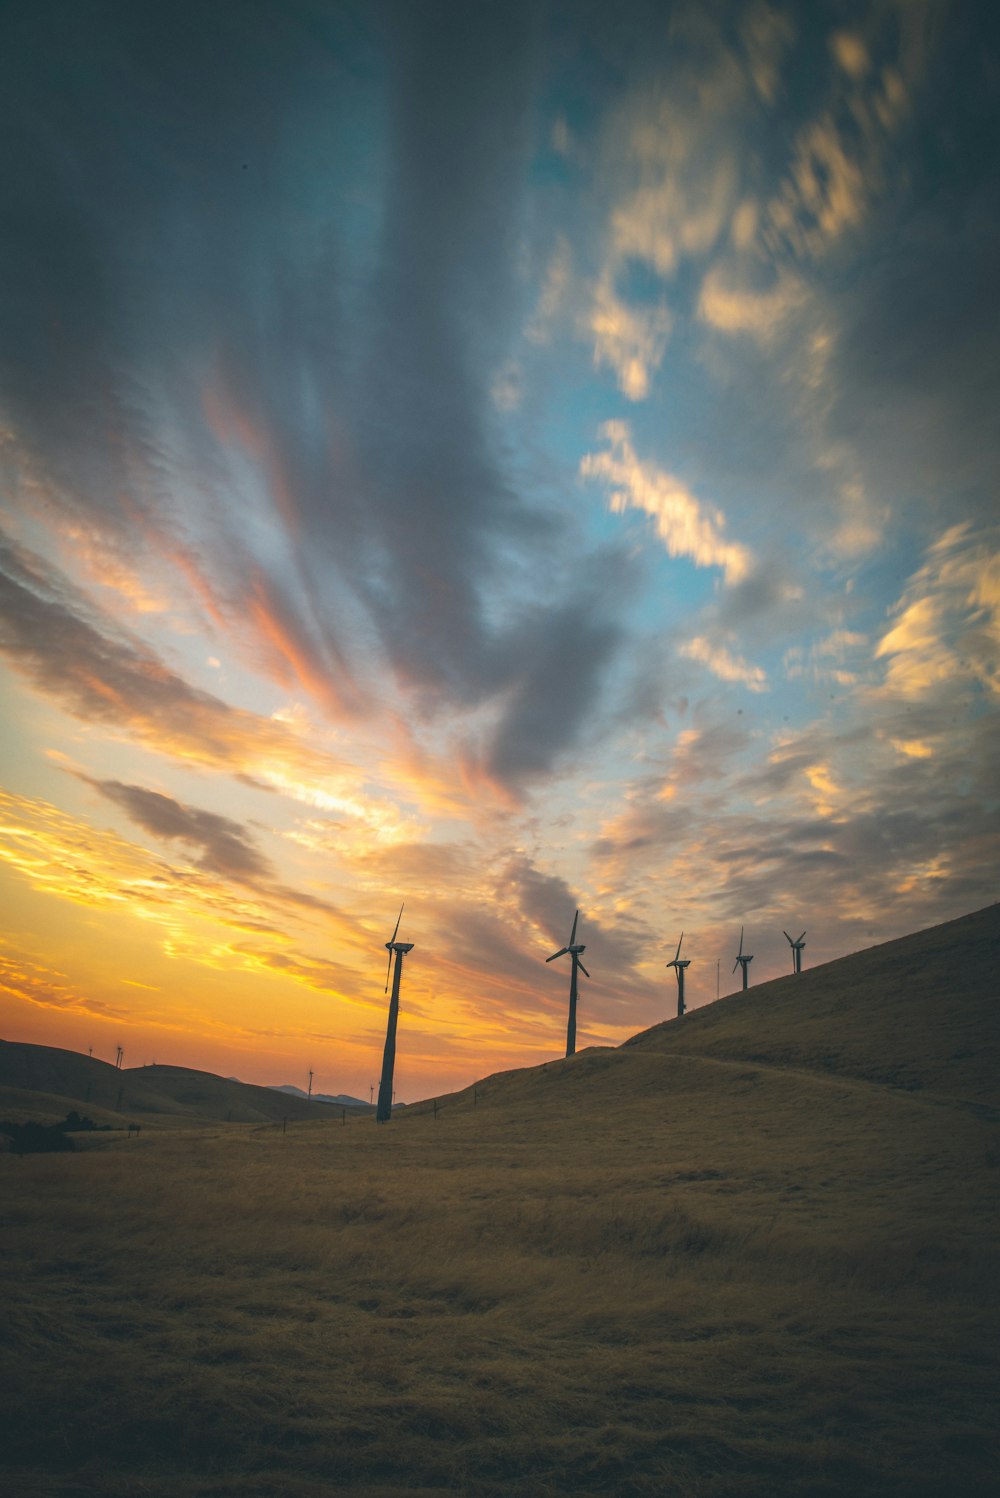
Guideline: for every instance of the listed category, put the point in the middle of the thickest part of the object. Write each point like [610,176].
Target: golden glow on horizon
[61,856]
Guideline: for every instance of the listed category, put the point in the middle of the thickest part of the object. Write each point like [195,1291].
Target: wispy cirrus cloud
[33,982]
[686,526]
[103,673]
[64,856]
[721,661]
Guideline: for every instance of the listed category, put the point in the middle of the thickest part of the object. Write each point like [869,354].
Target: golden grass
[638,1272]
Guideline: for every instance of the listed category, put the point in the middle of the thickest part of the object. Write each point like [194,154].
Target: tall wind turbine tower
[744,960]
[796,947]
[679,965]
[385,1092]
[574,948]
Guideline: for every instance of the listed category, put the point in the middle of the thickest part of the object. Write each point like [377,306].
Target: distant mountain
[46,1082]
[342,1099]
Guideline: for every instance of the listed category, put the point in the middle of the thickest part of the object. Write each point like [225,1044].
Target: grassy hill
[920,1012]
[37,1081]
[749,1253]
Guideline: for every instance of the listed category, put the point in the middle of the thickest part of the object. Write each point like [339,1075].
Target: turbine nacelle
[392,945]
[741,956]
[679,963]
[573,948]
[796,947]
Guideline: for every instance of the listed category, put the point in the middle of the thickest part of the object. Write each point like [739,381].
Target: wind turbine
[574,948]
[796,947]
[384,1111]
[744,962]
[679,965]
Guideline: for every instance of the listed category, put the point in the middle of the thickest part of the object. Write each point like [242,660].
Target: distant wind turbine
[574,949]
[385,1091]
[796,947]
[678,965]
[744,960]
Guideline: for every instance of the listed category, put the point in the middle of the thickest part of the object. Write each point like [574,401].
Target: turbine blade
[583,969]
[561,953]
[788,938]
[741,944]
[387,967]
[678,952]
[803,934]
[736,964]
[572,935]
[398,919]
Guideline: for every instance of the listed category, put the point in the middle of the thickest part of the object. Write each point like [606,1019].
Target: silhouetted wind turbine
[574,948]
[678,965]
[385,1092]
[744,961]
[796,947]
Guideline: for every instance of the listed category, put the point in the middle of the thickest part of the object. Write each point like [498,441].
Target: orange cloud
[47,988]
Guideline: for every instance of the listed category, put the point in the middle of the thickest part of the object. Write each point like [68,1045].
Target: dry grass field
[750,1253]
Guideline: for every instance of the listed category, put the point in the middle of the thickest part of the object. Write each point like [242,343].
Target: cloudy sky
[503,458]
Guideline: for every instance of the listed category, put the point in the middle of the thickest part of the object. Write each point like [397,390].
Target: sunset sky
[503,458]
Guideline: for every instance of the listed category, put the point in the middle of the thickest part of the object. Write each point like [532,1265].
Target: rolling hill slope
[164,1093]
[919,1012]
[751,1253]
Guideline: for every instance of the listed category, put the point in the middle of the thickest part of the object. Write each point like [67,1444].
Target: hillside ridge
[917,1013]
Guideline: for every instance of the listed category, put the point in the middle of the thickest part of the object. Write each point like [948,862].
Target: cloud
[686,171]
[685,526]
[298,425]
[672,184]
[616,943]
[61,855]
[766,34]
[630,339]
[226,846]
[851,53]
[947,622]
[839,155]
[21,977]
[723,664]
[554,699]
[105,674]
[732,308]
[880,813]
[553,292]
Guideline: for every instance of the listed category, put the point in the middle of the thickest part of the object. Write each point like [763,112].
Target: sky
[507,459]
